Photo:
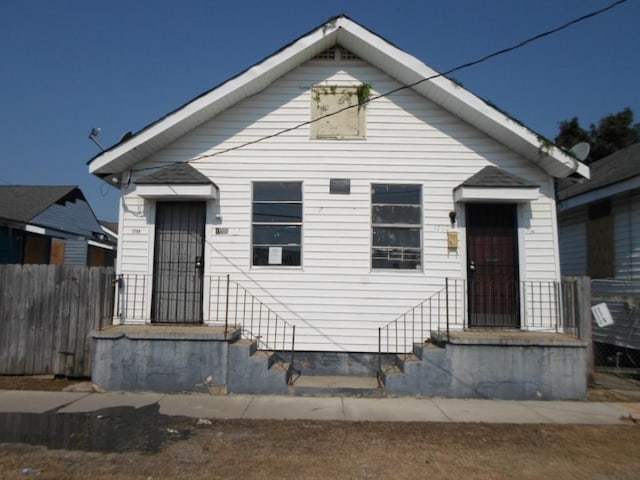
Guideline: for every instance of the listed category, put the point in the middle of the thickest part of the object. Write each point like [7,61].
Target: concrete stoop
[424,371]
[492,365]
[255,371]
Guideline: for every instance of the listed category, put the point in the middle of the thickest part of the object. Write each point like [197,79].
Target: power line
[405,87]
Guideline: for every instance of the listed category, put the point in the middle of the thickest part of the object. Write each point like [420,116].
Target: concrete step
[335,385]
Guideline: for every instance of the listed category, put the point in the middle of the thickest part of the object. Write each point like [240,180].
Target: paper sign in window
[275,255]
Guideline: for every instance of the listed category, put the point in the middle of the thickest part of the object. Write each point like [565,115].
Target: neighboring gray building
[599,219]
[43,224]
[599,228]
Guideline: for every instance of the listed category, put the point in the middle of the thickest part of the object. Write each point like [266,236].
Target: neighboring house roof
[22,203]
[612,175]
[178,174]
[371,48]
[58,210]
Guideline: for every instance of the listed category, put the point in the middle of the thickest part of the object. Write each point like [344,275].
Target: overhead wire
[403,87]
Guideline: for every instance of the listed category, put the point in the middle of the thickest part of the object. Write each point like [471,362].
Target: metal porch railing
[543,306]
[224,302]
[439,313]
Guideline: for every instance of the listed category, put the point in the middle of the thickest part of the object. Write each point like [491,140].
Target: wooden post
[583,318]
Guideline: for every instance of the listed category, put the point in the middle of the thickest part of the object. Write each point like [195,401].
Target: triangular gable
[371,48]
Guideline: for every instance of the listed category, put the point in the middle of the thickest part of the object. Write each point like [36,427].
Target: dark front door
[492,265]
[178,262]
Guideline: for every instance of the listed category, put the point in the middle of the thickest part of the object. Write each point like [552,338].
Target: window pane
[277,212]
[290,255]
[396,237]
[401,258]
[396,214]
[276,234]
[277,191]
[396,194]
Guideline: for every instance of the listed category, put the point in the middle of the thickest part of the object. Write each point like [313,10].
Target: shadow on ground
[119,429]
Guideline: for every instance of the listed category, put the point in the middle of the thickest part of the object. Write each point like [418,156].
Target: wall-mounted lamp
[452,218]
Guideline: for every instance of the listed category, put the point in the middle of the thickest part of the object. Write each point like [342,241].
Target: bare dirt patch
[47,383]
[347,450]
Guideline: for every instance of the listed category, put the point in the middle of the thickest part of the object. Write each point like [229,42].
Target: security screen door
[178,262]
[492,265]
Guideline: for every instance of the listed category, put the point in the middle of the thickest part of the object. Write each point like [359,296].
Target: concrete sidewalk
[403,409]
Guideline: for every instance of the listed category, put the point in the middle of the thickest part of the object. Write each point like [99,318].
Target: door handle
[198,263]
[472,266]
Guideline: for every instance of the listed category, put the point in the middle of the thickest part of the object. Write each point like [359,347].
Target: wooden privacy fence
[46,315]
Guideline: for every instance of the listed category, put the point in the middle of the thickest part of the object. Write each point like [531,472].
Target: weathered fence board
[46,314]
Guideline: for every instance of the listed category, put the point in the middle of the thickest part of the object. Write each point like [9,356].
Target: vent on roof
[347,55]
[328,54]
[336,53]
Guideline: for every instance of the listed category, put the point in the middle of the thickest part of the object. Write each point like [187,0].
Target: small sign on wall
[452,239]
[340,186]
[275,255]
[602,315]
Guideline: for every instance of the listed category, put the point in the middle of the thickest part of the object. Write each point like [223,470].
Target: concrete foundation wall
[133,359]
[555,371]
[552,367]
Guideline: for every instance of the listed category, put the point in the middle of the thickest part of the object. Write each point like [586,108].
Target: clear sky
[67,66]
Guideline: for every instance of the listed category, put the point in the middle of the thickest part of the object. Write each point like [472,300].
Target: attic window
[335,113]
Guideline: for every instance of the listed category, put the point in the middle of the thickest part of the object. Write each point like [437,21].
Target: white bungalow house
[343,187]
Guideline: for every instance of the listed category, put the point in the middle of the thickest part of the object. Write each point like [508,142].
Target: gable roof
[21,203]
[494,177]
[178,174]
[369,47]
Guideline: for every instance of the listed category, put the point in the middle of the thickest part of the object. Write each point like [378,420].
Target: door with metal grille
[492,269]
[178,262]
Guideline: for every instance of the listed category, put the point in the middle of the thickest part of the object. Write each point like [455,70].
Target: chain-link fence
[616,331]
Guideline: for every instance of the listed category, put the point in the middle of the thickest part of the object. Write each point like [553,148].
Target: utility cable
[404,87]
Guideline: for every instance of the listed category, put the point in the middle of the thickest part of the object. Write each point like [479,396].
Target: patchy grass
[349,450]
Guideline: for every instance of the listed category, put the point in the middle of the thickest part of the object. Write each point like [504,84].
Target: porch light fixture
[452,218]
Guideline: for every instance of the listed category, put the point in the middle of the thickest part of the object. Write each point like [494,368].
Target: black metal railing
[439,313]
[225,302]
[542,307]
[256,320]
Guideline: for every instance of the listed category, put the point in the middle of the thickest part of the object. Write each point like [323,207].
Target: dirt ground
[346,450]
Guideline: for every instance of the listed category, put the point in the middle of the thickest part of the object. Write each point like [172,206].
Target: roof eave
[371,48]
[191,115]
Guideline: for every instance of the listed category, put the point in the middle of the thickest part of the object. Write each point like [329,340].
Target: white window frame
[254,224]
[408,226]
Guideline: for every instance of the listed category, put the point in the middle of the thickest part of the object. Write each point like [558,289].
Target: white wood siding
[336,301]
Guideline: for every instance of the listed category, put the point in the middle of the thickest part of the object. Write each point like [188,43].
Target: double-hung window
[277,223]
[396,222]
